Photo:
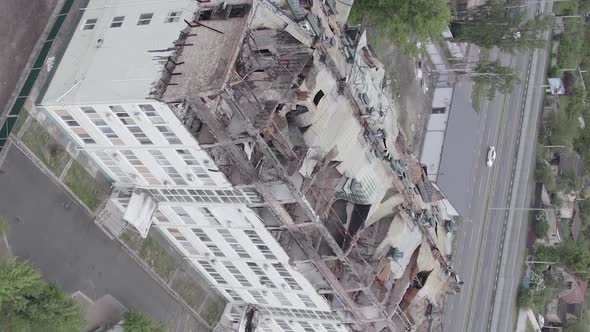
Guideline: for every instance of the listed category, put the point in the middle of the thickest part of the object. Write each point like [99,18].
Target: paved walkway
[56,236]
[523,314]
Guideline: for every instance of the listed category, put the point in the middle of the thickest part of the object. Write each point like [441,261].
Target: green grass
[191,292]
[211,312]
[150,251]
[562,7]
[156,257]
[38,140]
[83,185]
[563,101]
[22,117]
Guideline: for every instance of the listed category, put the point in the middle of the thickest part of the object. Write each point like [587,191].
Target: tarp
[139,212]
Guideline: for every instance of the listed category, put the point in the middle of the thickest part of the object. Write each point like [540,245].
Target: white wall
[124,67]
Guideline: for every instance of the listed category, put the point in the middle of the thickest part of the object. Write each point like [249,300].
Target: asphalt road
[21,26]
[58,238]
[491,270]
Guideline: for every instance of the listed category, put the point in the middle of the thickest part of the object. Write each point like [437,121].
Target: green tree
[571,45]
[560,129]
[137,321]
[404,21]
[541,224]
[568,181]
[29,304]
[495,76]
[524,297]
[501,24]
[572,254]
[577,103]
[17,280]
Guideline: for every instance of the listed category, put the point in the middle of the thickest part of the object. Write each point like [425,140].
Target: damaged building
[259,138]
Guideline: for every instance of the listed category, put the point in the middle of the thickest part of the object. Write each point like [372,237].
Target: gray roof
[571,161]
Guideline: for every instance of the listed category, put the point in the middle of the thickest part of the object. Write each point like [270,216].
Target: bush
[524,297]
[541,224]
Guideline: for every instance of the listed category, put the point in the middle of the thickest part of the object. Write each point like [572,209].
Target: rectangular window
[263,278]
[212,272]
[307,301]
[257,297]
[183,215]
[128,122]
[233,294]
[168,134]
[282,271]
[233,270]
[173,17]
[101,125]
[75,126]
[139,167]
[113,166]
[165,165]
[283,325]
[151,113]
[89,24]
[228,237]
[198,170]
[117,21]
[257,241]
[282,298]
[145,19]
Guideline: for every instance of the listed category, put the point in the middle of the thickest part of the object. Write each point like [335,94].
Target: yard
[49,151]
[83,185]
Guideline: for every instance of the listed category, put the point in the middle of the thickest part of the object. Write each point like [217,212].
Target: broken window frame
[173,16]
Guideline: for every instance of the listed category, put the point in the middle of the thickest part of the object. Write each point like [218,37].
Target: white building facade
[100,93]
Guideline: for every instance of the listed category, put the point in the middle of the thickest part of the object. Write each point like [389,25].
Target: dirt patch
[411,94]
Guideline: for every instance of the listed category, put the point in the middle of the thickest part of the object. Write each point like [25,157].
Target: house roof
[571,161]
[576,222]
[576,294]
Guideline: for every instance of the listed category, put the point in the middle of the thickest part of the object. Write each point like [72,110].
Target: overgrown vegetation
[29,304]
[137,321]
[501,24]
[404,21]
[541,224]
[574,255]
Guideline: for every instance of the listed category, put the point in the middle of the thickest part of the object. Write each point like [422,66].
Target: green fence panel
[18,105]
[56,26]
[42,54]
[66,7]
[26,89]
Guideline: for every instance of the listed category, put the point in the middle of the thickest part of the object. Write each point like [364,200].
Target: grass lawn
[156,257]
[22,117]
[151,253]
[38,140]
[563,101]
[192,293]
[211,312]
[565,7]
[83,185]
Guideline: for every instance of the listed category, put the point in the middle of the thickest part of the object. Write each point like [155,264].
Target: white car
[491,156]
